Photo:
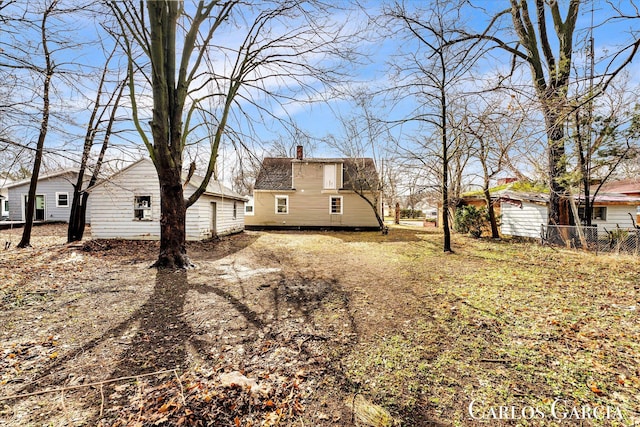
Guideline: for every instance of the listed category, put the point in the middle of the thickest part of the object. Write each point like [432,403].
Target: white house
[127,206]
[523,214]
[4,196]
[53,196]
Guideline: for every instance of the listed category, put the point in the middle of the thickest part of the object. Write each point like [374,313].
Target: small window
[598,213]
[235,210]
[142,208]
[336,205]
[282,205]
[62,200]
[248,209]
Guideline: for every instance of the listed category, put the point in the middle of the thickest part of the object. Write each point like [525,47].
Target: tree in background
[44,74]
[430,71]
[100,124]
[494,133]
[545,42]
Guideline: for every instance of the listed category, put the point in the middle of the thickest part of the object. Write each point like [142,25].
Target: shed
[127,206]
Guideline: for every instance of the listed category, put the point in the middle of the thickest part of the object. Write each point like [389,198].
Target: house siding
[309,204]
[113,216]
[525,221]
[617,215]
[48,187]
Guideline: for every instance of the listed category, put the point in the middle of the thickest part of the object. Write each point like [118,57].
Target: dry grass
[386,320]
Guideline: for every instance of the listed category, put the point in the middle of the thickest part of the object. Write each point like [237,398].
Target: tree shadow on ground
[158,321]
[160,335]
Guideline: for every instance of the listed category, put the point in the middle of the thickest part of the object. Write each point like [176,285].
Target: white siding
[525,221]
[112,205]
[617,215]
[112,213]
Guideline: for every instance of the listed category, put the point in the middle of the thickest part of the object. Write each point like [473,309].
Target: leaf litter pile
[321,329]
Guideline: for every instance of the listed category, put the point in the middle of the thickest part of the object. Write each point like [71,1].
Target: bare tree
[362,142]
[494,132]
[46,73]
[171,45]
[35,53]
[430,73]
[548,51]
[603,139]
[100,124]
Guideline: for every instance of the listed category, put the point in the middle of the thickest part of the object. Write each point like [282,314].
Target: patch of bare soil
[316,329]
[253,336]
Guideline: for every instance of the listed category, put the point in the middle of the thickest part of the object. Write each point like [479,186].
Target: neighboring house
[53,197]
[4,197]
[522,214]
[315,193]
[629,187]
[127,206]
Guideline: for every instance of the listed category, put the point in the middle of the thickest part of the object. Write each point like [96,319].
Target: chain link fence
[593,238]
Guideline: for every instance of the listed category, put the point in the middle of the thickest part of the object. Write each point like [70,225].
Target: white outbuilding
[127,206]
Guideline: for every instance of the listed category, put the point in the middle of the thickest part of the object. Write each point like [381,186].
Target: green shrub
[469,219]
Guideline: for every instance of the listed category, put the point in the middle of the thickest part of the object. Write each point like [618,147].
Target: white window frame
[58,194]
[147,214]
[331,205]
[286,199]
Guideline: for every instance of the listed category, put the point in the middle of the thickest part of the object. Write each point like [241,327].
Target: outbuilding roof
[214,188]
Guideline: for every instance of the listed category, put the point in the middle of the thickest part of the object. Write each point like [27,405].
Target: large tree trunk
[173,251]
[558,212]
[77,218]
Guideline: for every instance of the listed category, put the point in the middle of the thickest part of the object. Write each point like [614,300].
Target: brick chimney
[299,152]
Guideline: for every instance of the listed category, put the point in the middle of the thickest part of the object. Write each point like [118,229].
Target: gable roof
[276,172]
[49,175]
[214,188]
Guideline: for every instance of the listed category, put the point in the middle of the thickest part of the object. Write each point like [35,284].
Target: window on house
[598,213]
[330,177]
[62,200]
[248,209]
[6,206]
[142,208]
[336,204]
[235,210]
[282,204]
